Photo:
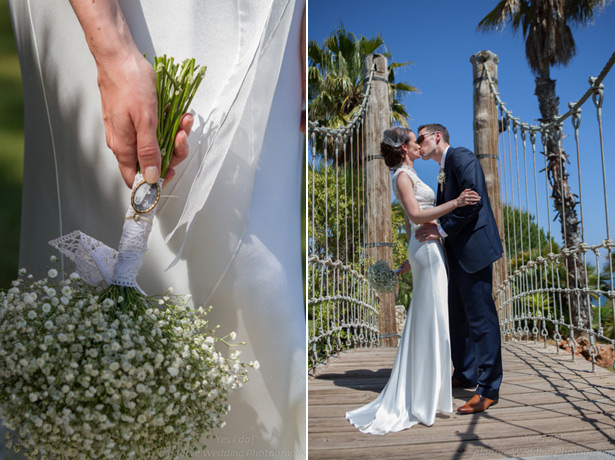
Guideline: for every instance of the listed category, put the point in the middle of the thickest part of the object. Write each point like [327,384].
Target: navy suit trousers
[474,329]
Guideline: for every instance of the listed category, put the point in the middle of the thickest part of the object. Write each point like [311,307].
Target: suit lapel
[440,195]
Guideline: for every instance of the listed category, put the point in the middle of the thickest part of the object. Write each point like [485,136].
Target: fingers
[180,152]
[128,171]
[468,197]
[121,140]
[186,122]
[168,176]
[148,152]
[422,239]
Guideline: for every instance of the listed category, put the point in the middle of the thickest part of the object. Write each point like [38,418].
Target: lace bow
[98,264]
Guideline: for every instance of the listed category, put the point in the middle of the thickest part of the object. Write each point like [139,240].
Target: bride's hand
[468,197]
[130,113]
[403,268]
[127,84]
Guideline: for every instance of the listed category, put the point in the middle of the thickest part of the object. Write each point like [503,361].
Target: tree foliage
[545,25]
[336,79]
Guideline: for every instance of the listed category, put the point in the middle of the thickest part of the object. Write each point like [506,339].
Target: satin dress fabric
[229,223]
[420,383]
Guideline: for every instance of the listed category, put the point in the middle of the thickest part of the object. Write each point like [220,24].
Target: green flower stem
[176,86]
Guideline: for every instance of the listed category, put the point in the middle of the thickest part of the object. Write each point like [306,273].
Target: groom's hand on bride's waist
[427,232]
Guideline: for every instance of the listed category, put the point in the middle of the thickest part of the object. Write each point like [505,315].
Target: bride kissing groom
[421,381]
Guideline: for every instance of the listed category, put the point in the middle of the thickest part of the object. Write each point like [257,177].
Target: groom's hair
[433,127]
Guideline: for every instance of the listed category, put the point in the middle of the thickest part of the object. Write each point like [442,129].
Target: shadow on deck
[549,405]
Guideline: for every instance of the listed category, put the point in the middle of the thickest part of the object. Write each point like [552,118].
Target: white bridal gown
[235,203]
[420,382]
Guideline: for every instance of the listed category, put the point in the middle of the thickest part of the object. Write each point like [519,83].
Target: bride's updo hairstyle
[390,146]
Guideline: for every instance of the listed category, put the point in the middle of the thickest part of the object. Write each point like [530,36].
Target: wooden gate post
[378,221]
[486,143]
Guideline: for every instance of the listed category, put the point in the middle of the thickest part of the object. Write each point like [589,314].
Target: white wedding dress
[420,382]
[232,213]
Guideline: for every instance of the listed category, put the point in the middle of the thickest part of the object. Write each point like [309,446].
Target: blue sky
[439,38]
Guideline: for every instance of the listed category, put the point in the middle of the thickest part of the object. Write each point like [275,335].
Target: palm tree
[335,79]
[548,42]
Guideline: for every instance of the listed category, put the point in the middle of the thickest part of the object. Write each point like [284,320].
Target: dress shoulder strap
[411,174]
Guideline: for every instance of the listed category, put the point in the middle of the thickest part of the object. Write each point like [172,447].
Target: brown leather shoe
[459,384]
[478,403]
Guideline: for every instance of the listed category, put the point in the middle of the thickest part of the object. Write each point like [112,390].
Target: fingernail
[184,139]
[151,174]
[190,120]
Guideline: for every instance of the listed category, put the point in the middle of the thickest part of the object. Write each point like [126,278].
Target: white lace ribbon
[98,264]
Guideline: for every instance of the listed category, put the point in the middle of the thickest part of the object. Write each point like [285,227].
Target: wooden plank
[324,418]
[513,384]
[545,396]
[505,447]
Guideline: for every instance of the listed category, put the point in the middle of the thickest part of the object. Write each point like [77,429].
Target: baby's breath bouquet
[93,368]
[381,277]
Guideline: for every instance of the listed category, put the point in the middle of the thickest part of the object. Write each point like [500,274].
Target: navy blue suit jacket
[473,237]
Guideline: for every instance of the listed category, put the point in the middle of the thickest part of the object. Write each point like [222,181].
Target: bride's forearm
[422,216]
[105,29]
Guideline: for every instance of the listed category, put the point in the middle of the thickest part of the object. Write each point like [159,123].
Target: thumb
[148,153]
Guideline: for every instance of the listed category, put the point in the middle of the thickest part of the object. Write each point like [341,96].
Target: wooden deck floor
[548,405]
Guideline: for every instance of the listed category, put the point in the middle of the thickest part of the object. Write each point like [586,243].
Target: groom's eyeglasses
[421,138]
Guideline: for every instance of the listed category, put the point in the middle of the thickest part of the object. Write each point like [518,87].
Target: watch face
[145,197]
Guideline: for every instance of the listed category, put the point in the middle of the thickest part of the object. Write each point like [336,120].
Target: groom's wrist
[441,231]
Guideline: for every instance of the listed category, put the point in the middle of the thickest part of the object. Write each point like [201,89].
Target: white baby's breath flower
[173,371]
[52,273]
[381,277]
[149,371]
[107,303]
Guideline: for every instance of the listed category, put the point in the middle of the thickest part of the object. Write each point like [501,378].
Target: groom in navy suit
[472,244]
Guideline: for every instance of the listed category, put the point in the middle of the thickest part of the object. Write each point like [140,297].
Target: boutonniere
[442,180]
